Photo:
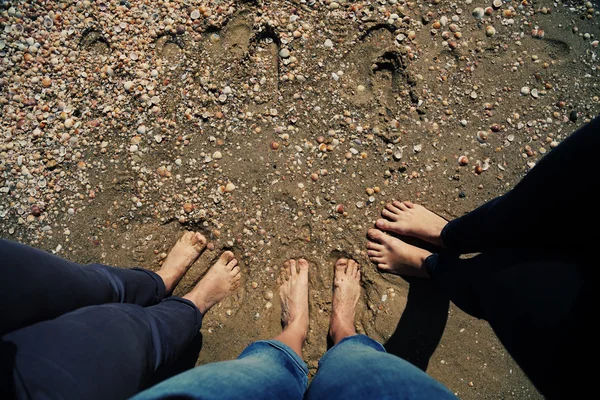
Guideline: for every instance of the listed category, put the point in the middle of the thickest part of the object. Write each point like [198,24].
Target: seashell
[478,12]
[537,33]
[490,31]
[463,160]
[482,136]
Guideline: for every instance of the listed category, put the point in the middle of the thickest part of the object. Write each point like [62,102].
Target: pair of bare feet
[221,280]
[407,219]
[294,302]
[224,278]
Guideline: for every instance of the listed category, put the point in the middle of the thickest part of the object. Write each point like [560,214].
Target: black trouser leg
[528,297]
[552,207]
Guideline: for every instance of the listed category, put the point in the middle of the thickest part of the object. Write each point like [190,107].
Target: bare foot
[221,280]
[294,295]
[294,304]
[181,257]
[394,256]
[408,219]
[346,292]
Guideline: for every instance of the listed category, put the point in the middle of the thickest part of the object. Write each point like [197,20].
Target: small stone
[274,145]
[490,31]
[46,82]
[195,14]
[230,187]
[573,116]
[268,295]
[525,90]
[163,172]
[217,155]
[141,129]
[284,53]
[188,207]
[36,210]
[473,95]
[463,160]
[339,209]
[128,85]
[254,285]
[328,43]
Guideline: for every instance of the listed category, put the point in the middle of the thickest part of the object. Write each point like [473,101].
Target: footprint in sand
[380,80]
[265,59]
[94,42]
[239,53]
[229,44]
[169,48]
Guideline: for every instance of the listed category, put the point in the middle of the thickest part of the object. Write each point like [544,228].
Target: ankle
[168,280]
[339,330]
[199,301]
[299,327]
[420,257]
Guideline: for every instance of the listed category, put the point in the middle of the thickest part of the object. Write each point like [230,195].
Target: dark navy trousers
[85,332]
[532,279]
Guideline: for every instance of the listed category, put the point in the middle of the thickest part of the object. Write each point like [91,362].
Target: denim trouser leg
[265,370]
[359,368]
[38,286]
[109,351]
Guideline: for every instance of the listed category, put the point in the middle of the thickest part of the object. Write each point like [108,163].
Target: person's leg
[551,202]
[531,298]
[111,351]
[358,367]
[271,369]
[528,297]
[37,286]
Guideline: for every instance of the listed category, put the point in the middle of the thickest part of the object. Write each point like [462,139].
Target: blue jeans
[357,367]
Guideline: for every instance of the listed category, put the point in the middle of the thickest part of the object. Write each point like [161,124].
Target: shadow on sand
[422,324]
